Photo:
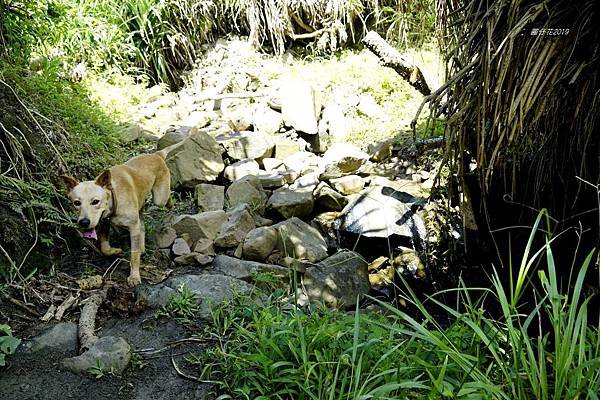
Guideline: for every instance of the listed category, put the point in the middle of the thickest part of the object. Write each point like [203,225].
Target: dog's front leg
[105,248]
[136,252]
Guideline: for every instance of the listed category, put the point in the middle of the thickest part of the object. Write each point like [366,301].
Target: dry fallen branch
[390,57]
[49,314]
[87,320]
[64,306]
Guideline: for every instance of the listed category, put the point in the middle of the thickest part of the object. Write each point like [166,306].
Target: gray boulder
[272,164]
[204,246]
[209,197]
[233,231]
[266,120]
[109,354]
[260,243]
[290,203]
[380,212]
[286,147]
[250,271]
[172,137]
[198,159]
[62,337]
[338,281]
[180,247]
[300,106]
[348,184]
[209,289]
[244,145]
[302,162]
[329,199]
[247,190]
[200,226]
[306,183]
[299,240]
[240,169]
[335,122]
[380,151]
[342,159]
[165,237]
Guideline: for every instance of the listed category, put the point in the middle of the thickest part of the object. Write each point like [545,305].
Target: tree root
[87,319]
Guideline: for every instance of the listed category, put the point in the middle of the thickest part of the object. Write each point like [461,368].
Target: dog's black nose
[84,222]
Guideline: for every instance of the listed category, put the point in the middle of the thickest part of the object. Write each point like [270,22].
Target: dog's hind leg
[142,235]
[161,191]
[134,278]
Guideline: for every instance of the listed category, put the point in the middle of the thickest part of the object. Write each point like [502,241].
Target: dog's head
[91,199]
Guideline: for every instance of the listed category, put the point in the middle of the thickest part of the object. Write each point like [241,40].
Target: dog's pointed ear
[69,182]
[104,179]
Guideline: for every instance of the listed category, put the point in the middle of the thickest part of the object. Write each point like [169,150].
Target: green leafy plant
[99,370]
[183,305]
[8,343]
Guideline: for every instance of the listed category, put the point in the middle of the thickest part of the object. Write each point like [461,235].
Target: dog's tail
[165,152]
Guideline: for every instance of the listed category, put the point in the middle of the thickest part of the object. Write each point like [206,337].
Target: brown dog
[116,197]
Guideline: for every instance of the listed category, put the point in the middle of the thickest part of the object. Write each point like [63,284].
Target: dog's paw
[112,251]
[133,281]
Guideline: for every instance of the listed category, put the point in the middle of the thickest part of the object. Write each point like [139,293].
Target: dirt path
[39,375]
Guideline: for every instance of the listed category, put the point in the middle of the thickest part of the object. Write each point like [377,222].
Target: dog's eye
[94,202]
[76,203]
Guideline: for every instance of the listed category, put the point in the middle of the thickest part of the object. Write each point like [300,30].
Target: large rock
[244,145]
[348,184]
[380,151]
[342,159]
[209,289]
[204,225]
[196,119]
[247,190]
[198,159]
[260,243]
[272,164]
[240,169]
[299,240]
[290,203]
[61,337]
[306,183]
[109,354]
[180,247]
[209,197]
[329,199]
[326,224]
[250,271]
[302,162]
[165,237]
[276,179]
[286,147]
[380,212]
[175,136]
[338,281]
[266,120]
[335,122]
[233,231]
[300,106]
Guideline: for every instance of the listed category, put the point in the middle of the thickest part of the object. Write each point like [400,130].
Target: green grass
[280,352]
[183,305]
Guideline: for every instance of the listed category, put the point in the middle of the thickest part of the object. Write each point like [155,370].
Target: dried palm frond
[522,95]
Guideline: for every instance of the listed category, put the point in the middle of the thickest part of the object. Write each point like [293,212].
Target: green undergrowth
[276,351]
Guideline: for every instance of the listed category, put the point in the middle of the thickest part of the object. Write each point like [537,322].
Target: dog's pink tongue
[91,234]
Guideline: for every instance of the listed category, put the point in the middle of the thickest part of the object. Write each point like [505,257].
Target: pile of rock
[262,197]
